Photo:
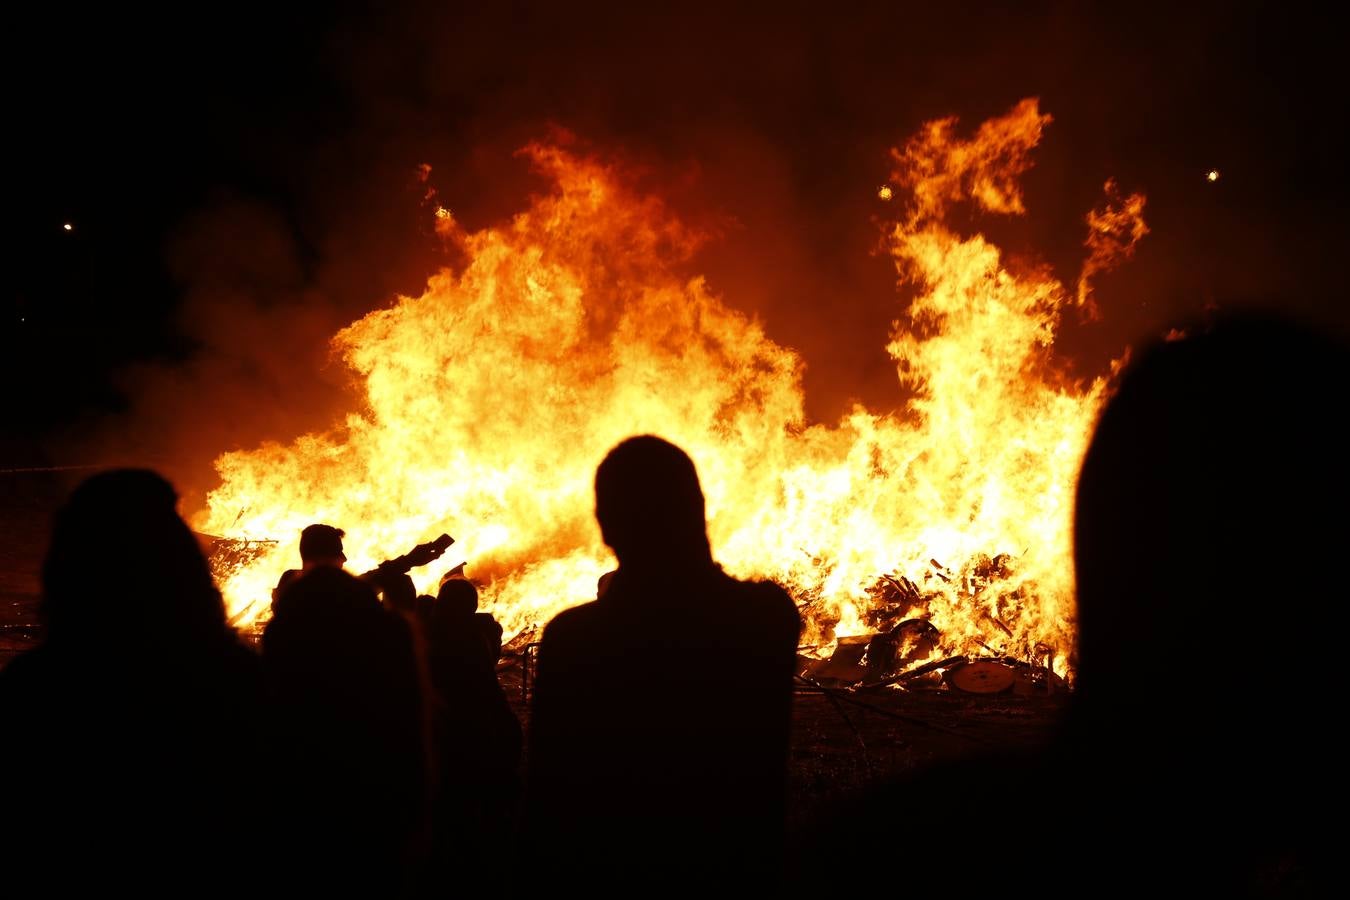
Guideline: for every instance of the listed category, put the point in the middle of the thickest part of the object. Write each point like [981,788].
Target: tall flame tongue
[492,397]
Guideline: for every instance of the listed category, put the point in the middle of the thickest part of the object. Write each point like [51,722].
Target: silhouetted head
[457,597]
[602,583]
[424,608]
[400,594]
[650,506]
[123,568]
[1210,522]
[321,545]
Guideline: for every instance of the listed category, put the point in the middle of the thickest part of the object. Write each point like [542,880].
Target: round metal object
[982,676]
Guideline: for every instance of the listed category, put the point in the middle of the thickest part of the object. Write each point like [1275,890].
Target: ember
[489,399]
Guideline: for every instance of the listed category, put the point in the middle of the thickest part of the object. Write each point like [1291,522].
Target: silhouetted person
[321,547]
[132,739]
[400,596]
[423,607]
[478,742]
[458,598]
[1209,543]
[1199,757]
[660,716]
[353,753]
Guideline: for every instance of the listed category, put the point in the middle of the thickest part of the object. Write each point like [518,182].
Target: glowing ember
[885,192]
[490,399]
[1212,175]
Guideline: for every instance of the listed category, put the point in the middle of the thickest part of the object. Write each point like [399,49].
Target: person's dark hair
[602,583]
[320,541]
[123,567]
[1206,486]
[649,503]
[400,594]
[457,597]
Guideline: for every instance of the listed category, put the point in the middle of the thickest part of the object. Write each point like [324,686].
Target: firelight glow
[489,400]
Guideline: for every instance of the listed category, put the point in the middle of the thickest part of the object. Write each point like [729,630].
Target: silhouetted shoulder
[774,602]
[572,623]
[765,608]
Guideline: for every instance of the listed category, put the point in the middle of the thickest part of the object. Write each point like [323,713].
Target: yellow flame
[885,192]
[490,399]
[1212,175]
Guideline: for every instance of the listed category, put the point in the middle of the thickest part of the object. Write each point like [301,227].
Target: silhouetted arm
[400,565]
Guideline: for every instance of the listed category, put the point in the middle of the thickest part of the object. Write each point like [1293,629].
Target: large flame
[491,398]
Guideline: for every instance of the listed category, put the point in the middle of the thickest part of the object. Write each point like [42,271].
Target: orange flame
[491,398]
[1113,232]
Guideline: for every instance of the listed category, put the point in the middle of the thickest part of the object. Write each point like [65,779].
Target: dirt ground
[841,742]
[844,741]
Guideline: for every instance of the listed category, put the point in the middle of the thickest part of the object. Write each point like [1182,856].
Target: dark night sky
[240,180]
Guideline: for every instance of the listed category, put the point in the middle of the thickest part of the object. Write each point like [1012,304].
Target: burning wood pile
[580,321]
[227,556]
[903,648]
[906,649]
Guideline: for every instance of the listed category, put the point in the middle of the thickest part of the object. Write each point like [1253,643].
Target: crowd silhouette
[368,747]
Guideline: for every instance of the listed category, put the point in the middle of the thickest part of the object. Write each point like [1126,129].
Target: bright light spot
[885,192]
[1212,175]
[68,227]
[443,213]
